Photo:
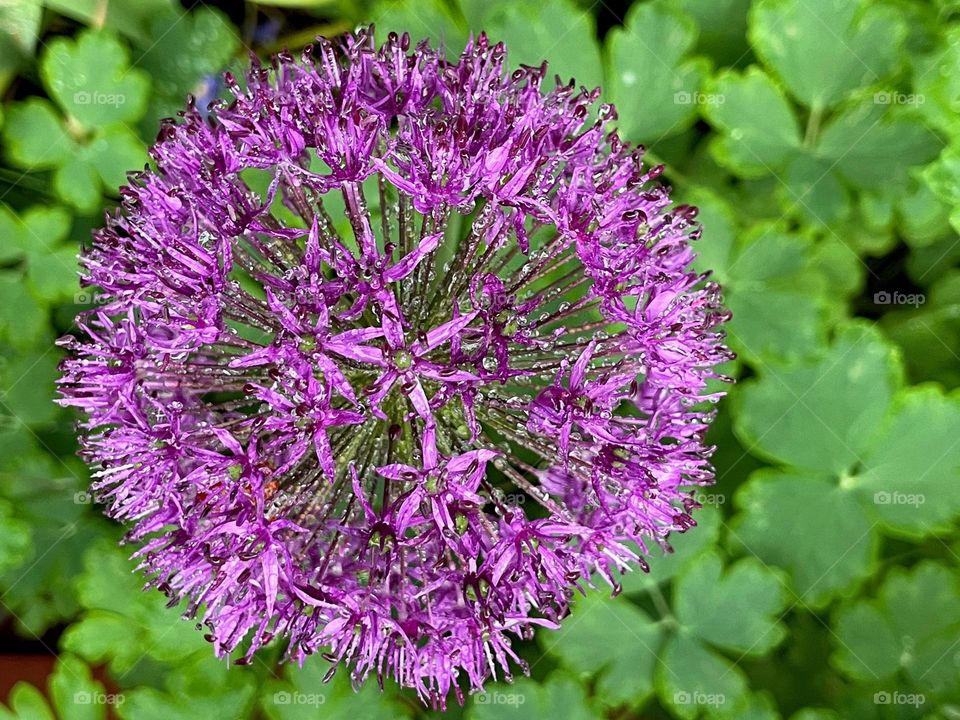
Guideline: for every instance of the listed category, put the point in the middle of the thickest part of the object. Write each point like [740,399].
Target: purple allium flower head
[446,369]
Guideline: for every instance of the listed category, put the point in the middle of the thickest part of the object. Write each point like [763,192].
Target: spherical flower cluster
[397,353]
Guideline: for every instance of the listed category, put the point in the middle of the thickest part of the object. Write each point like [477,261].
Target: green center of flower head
[403,359]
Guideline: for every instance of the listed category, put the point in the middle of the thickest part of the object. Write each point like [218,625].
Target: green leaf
[656,90]
[33,135]
[911,472]
[715,249]
[821,415]
[124,623]
[43,229]
[873,146]
[431,19]
[557,31]
[14,538]
[778,304]
[91,79]
[777,512]
[11,247]
[924,217]
[759,707]
[54,276]
[27,382]
[814,714]
[612,639]
[691,679]
[746,590]
[202,686]
[943,179]
[936,81]
[128,18]
[19,27]
[303,695]
[182,49]
[813,193]
[77,183]
[113,154]
[839,264]
[723,28]
[28,703]
[76,695]
[823,49]
[759,131]
[23,320]
[910,627]
[928,335]
[558,697]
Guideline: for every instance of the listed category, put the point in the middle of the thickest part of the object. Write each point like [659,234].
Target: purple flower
[311,402]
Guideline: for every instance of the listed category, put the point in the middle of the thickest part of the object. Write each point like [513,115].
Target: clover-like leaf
[302,694]
[874,145]
[813,192]
[692,679]
[533,32]
[123,623]
[779,511]
[778,303]
[911,472]
[73,692]
[936,86]
[612,639]
[431,19]
[778,298]
[26,703]
[759,130]
[127,18]
[182,50]
[822,415]
[654,83]
[34,136]
[823,49]
[746,590]
[928,334]
[23,319]
[911,627]
[91,79]
[558,697]
[20,22]
[943,179]
[723,28]
[14,538]
[203,686]
[83,164]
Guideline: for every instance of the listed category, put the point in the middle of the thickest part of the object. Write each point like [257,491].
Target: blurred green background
[821,140]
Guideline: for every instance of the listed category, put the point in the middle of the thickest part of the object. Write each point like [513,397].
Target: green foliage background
[821,140]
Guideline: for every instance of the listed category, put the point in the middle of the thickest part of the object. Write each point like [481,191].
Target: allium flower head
[448,368]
